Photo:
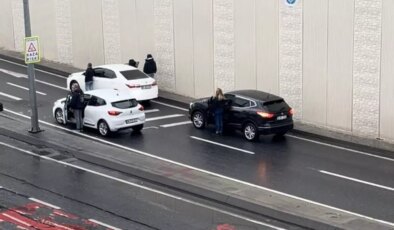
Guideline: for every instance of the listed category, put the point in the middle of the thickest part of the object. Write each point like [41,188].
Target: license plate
[131,121]
[146,87]
[283,117]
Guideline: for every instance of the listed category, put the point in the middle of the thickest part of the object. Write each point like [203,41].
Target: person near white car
[89,74]
[77,106]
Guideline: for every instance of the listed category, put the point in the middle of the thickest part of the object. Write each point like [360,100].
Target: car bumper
[145,94]
[120,123]
[274,129]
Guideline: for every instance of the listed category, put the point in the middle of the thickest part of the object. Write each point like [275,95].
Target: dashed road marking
[10,96]
[222,145]
[168,105]
[164,117]
[176,124]
[25,88]
[44,203]
[42,71]
[104,224]
[356,180]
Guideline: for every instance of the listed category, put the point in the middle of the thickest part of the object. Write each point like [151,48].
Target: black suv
[251,111]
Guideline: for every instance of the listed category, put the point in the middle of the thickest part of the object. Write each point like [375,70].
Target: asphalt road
[342,176]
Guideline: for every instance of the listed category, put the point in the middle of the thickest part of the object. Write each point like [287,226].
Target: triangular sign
[31,48]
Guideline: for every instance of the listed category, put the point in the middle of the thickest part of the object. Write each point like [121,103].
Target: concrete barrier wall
[331,59]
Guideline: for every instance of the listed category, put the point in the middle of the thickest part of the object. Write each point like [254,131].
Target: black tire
[137,128]
[59,116]
[198,119]
[103,128]
[250,132]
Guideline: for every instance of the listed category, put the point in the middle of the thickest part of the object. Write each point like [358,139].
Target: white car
[107,110]
[120,77]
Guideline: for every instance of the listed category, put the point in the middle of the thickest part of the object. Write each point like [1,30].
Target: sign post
[32,55]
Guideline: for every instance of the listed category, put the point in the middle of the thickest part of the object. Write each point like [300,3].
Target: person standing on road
[77,106]
[218,103]
[150,67]
[89,73]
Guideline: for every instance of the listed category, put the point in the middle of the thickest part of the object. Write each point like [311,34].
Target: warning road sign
[32,50]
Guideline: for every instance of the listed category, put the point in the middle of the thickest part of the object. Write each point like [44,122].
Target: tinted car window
[126,104]
[240,102]
[133,74]
[276,106]
[99,72]
[109,73]
[96,101]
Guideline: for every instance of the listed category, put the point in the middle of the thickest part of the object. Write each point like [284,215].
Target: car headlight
[190,105]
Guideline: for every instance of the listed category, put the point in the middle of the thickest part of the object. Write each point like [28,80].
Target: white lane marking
[42,71]
[356,180]
[152,111]
[104,224]
[206,171]
[10,96]
[222,145]
[164,117]
[342,148]
[151,127]
[176,124]
[14,74]
[56,86]
[44,203]
[142,187]
[168,105]
[16,219]
[18,75]
[25,88]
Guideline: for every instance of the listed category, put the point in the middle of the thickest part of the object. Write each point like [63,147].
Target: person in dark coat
[150,67]
[77,105]
[218,104]
[89,74]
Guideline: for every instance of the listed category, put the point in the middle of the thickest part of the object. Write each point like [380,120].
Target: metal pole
[31,73]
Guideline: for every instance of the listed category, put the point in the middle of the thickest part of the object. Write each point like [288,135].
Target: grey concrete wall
[332,60]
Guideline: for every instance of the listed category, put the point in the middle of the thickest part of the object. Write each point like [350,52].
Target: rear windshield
[133,74]
[276,106]
[126,104]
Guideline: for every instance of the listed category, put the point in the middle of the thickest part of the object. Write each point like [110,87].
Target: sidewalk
[182,177]
[300,127]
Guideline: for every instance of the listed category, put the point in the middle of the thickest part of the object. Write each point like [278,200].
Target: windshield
[133,74]
[126,104]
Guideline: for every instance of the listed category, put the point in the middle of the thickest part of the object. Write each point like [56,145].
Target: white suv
[107,110]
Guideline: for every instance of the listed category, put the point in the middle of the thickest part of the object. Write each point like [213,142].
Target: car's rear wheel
[59,116]
[250,132]
[103,128]
[198,119]
[137,128]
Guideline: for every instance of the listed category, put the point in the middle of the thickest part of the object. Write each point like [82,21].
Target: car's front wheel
[103,128]
[250,132]
[137,128]
[198,119]
[59,116]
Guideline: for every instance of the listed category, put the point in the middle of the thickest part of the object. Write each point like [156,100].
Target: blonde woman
[218,103]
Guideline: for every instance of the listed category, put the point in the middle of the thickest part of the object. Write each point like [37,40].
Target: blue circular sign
[291,2]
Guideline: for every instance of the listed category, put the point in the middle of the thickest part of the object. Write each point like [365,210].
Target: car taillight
[133,86]
[141,108]
[291,112]
[154,83]
[114,113]
[265,115]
